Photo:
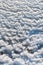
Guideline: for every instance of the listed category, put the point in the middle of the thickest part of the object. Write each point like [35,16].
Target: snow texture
[21,32]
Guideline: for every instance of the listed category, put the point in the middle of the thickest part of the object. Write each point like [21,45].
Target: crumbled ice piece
[19,61]
[2,43]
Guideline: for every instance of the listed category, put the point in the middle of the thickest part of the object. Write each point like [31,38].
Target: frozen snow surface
[21,32]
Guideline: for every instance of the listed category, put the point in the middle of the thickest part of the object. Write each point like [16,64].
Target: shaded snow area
[21,32]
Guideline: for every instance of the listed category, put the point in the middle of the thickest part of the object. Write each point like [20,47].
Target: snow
[21,32]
